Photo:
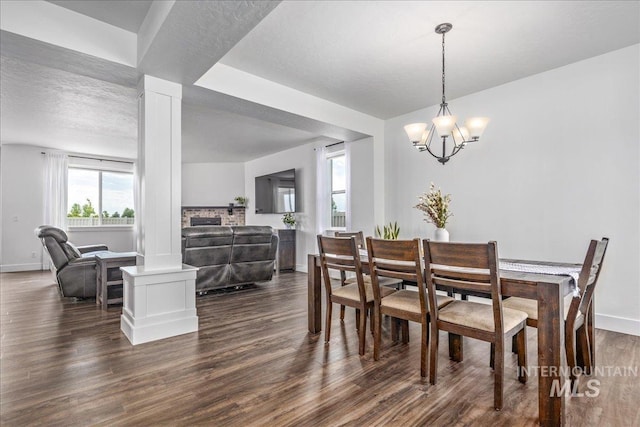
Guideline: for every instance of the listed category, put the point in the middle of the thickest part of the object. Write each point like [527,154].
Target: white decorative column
[159,292]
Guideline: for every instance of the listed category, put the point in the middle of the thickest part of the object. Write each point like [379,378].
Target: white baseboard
[618,324]
[12,268]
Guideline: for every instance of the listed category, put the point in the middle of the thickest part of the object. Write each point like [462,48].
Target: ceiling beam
[181,41]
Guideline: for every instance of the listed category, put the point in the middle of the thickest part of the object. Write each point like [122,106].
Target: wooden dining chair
[358,235]
[400,259]
[341,254]
[577,311]
[361,244]
[472,267]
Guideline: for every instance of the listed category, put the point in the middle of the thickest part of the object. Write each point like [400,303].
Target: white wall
[116,238]
[21,169]
[22,212]
[558,165]
[228,80]
[362,192]
[212,184]
[304,161]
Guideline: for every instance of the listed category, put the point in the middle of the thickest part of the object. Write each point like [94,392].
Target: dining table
[548,290]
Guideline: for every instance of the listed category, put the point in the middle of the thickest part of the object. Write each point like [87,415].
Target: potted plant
[289,220]
[241,200]
[389,232]
[435,207]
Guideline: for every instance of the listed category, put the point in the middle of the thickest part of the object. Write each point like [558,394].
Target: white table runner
[573,272]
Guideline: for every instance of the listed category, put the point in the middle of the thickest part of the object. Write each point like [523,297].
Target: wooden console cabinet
[287,250]
[109,276]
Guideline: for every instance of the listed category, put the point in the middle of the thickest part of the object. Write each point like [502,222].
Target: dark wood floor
[65,362]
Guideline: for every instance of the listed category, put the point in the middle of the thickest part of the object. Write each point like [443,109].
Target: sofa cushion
[200,236]
[250,234]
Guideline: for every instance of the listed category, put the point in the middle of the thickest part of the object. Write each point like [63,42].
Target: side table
[286,249]
[108,275]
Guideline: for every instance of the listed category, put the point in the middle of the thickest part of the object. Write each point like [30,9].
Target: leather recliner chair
[75,266]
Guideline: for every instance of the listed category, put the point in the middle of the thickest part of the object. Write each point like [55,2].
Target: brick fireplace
[213,215]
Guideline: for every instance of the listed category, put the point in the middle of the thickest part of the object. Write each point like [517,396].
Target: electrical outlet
[15,219]
[33,254]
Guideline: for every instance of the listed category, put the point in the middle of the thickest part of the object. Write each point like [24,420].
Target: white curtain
[347,174]
[138,242]
[322,191]
[55,189]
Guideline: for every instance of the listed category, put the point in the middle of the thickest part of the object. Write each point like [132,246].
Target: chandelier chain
[444,100]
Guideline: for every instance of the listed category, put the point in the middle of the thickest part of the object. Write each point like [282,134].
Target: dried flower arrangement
[435,206]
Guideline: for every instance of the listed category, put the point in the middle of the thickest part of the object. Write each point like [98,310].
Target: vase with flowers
[435,207]
[289,220]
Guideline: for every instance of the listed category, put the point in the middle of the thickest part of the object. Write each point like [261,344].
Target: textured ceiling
[127,15]
[383,58]
[54,108]
[380,58]
[219,136]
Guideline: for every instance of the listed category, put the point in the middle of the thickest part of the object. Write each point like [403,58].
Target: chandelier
[454,137]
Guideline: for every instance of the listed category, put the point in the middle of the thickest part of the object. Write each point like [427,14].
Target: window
[337,174]
[99,198]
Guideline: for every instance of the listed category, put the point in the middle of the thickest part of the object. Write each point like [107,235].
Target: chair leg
[433,354]
[456,344]
[327,327]
[583,352]
[498,373]
[492,356]
[357,319]
[514,344]
[405,331]
[570,348]
[423,349]
[362,332]
[521,339]
[342,313]
[371,322]
[394,329]
[591,336]
[377,333]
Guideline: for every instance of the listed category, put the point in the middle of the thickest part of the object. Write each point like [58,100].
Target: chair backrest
[55,242]
[358,235]
[400,259]
[340,254]
[464,266]
[588,278]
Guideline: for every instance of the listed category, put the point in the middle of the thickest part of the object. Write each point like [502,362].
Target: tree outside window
[98,198]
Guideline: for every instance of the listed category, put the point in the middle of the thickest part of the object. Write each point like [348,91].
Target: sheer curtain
[347,175]
[322,191]
[55,190]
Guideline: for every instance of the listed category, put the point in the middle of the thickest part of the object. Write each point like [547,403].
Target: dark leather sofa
[229,256]
[75,265]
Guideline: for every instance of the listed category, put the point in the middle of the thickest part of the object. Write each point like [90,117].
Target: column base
[158,304]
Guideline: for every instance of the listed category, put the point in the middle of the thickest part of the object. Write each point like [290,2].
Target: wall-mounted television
[276,192]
